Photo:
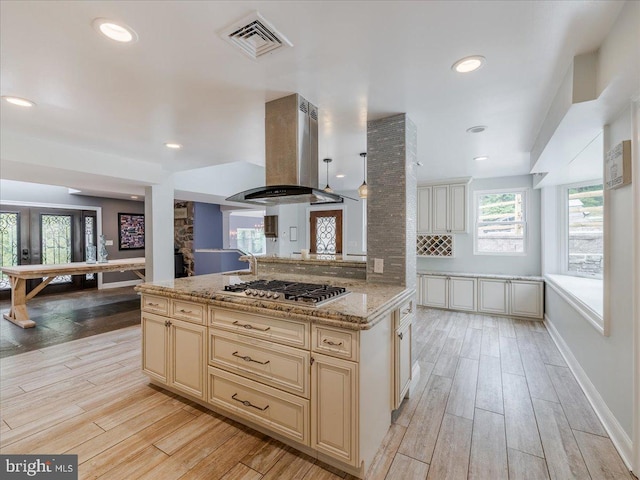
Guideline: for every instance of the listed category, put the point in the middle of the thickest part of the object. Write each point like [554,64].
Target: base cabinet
[173,352]
[456,293]
[333,407]
[322,388]
[494,296]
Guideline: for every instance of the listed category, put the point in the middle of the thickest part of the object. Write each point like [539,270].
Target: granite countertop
[483,275]
[366,305]
[358,261]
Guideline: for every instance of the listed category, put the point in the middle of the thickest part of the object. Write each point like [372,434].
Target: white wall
[606,361]
[466,261]
[297,215]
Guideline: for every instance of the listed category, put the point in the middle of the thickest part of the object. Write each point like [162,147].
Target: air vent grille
[254,36]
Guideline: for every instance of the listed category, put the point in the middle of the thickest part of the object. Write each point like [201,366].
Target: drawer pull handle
[247,403]
[182,310]
[401,335]
[250,327]
[247,358]
[153,304]
[407,311]
[333,344]
[167,323]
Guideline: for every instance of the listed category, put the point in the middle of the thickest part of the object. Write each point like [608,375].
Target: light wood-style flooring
[495,401]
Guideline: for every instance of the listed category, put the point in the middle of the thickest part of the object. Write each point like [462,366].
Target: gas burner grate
[279,290]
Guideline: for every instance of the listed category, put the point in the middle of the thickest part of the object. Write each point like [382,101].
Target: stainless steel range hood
[291,156]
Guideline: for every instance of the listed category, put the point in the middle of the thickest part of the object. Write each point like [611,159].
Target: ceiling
[107,109]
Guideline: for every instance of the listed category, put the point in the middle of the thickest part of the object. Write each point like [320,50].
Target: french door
[33,236]
[326,232]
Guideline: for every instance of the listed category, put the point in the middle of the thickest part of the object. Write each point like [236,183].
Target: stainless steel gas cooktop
[289,292]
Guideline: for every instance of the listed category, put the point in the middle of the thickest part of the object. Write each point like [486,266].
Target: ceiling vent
[255,36]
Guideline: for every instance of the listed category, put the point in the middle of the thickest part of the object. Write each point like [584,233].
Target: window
[246,232]
[584,227]
[501,222]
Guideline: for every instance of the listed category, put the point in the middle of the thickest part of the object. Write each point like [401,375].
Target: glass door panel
[9,222]
[56,242]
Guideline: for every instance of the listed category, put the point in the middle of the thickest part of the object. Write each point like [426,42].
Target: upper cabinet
[442,208]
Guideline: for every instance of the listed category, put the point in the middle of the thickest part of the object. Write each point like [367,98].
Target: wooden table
[18,276]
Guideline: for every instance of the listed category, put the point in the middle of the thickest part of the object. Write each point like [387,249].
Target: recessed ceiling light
[479,159]
[468,64]
[134,197]
[340,175]
[174,146]
[115,31]
[21,102]
[477,129]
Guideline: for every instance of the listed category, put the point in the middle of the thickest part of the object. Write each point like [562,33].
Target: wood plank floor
[495,401]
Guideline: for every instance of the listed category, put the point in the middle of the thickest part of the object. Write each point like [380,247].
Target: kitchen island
[323,379]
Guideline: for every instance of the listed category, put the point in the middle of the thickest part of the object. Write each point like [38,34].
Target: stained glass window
[89,235]
[56,242]
[9,244]
[326,235]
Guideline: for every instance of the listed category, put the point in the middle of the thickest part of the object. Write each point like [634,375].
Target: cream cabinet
[494,296]
[455,293]
[521,298]
[449,208]
[334,407]
[173,352]
[317,387]
[403,327]
[442,208]
[424,210]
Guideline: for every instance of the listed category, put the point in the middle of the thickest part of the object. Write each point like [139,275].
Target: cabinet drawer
[279,411]
[189,311]
[405,312]
[155,304]
[282,367]
[335,342]
[288,332]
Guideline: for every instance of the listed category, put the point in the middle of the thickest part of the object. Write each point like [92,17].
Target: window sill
[585,295]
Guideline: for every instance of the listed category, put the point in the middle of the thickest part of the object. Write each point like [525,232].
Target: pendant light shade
[363,190]
[328,189]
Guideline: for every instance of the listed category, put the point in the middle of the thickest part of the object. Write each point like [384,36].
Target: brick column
[392,200]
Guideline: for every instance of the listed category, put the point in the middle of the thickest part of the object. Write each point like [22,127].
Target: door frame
[326,208]
[635,142]
[98,210]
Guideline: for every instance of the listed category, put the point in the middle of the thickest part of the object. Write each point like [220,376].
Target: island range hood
[291,156]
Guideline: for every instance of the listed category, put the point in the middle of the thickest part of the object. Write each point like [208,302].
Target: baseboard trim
[618,436]
[127,283]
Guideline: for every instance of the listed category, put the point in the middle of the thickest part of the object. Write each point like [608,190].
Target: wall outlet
[108,243]
[378,265]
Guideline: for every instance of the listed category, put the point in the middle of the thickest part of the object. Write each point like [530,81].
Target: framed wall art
[131,231]
[617,166]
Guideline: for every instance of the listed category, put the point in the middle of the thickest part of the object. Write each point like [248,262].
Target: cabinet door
[334,400]
[155,340]
[492,296]
[435,291]
[424,210]
[457,208]
[526,298]
[187,347]
[462,293]
[440,217]
[402,351]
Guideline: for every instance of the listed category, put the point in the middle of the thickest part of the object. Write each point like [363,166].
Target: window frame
[563,228]
[524,191]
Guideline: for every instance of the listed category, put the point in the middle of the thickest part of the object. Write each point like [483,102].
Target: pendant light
[363,190]
[328,189]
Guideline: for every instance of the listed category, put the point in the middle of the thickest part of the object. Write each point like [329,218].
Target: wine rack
[434,245]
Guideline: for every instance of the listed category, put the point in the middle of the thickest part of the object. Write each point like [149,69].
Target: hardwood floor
[64,317]
[495,401]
